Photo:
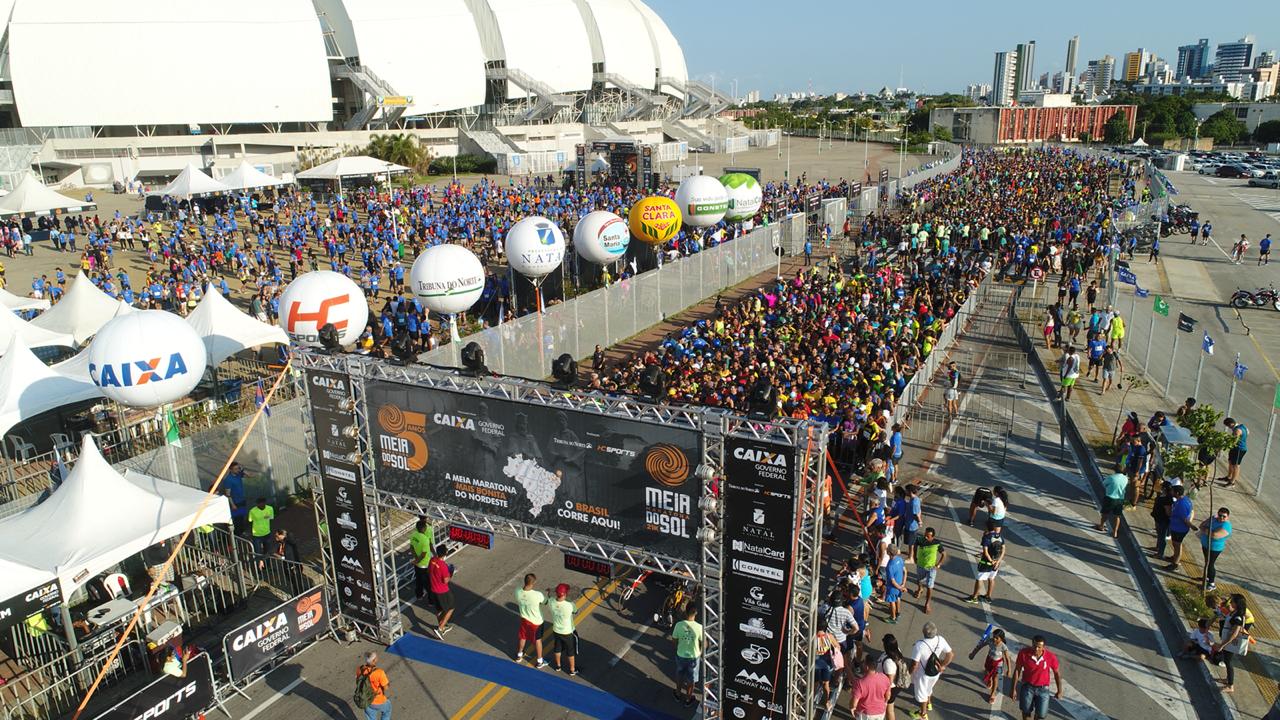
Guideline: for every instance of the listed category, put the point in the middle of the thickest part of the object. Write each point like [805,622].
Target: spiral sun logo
[667,464]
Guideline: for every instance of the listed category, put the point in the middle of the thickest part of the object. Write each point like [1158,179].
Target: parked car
[1270,180]
[1208,168]
[1231,171]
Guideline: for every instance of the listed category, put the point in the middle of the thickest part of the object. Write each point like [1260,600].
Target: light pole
[866,147]
[902,154]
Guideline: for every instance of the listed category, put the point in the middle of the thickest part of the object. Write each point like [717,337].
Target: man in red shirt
[438,576]
[1033,667]
[869,695]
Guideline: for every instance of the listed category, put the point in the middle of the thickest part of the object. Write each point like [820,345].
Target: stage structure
[732,502]
[629,163]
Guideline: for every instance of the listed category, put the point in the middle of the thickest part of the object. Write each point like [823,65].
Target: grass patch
[1189,600]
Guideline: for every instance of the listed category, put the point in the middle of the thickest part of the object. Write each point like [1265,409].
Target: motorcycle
[1258,298]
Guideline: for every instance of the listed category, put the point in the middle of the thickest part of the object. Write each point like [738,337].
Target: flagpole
[1172,356]
[1231,399]
[1199,367]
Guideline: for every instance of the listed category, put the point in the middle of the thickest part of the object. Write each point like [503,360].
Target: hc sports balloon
[316,298]
[655,219]
[448,278]
[745,196]
[146,358]
[702,200]
[601,237]
[535,247]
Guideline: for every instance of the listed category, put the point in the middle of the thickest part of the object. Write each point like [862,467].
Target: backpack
[363,695]
[932,666]
[902,674]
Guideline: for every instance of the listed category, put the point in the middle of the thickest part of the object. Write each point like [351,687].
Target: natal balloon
[316,298]
[601,237]
[448,278]
[702,200]
[146,358]
[535,247]
[745,196]
[655,219]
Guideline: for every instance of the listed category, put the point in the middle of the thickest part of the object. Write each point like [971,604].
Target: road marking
[1209,180]
[635,637]
[1268,205]
[484,709]
[475,699]
[488,599]
[1264,357]
[279,694]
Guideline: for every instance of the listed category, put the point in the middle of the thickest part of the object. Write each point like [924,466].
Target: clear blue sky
[852,45]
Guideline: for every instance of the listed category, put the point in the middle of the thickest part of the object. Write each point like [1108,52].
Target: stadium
[212,83]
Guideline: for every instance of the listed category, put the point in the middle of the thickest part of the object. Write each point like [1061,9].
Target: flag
[1207,345]
[171,427]
[1140,292]
[1161,306]
[1240,370]
[1126,276]
[260,399]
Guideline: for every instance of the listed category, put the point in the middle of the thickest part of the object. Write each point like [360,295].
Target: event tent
[247,177]
[31,197]
[75,367]
[12,326]
[192,182]
[226,330]
[82,311]
[17,302]
[97,517]
[17,579]
[28,387]
[355,166]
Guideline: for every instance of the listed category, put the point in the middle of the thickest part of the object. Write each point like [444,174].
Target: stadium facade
[83,82]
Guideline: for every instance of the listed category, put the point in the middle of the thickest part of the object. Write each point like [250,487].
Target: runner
[952,395]
[439,574]
[1264,250]
[1068,371]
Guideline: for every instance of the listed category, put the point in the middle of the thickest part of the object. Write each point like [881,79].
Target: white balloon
[316,298]
[702,200]
[146,358]
[745,196]
[535,247]
[448,278]
[601,237]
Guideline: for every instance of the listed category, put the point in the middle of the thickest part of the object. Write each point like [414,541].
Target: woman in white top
[998,505]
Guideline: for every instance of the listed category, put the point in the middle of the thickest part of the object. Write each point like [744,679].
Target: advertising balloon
[702,200]
[448,278]
[535,247]
[317,298]
[146,358]
[601,237]
[655,219]
[745,196]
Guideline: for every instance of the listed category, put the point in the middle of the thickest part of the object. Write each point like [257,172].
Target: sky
[852,45]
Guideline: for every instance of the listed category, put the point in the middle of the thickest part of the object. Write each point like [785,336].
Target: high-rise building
[1063,83]
[1097,78]
[1073,47]
[1024,69]
[1135,65]
[1193,60]
[979,93]
[1266,58]
[1158,71]
[1232,58]
[1043,84]
[1004,90]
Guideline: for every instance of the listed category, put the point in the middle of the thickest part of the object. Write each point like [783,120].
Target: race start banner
[617,480]
[287,625]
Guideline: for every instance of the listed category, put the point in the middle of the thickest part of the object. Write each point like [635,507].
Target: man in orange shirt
[380,707]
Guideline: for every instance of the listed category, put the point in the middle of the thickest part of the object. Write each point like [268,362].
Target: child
[1200,642]
[998,658]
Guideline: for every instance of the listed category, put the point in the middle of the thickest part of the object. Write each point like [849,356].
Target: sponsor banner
[760,507]
[813,203]
[17,609]
[343,490]
[169,698]
[580,166]
[884,175]
[612,479]
[290,623]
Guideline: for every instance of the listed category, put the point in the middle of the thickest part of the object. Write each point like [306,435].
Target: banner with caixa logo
[287,625]
[760,507]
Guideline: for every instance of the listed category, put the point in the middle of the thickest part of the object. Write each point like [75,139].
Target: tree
[400,149]
[1268,132]
[1116,130]
[942,133]
[1224,127]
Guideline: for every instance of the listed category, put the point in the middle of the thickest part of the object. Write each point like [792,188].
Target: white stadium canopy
[97,518]
[82,311]
[31,197]
[192,182]
[354,166]
[628,49]
[247,177]
[18,302]
[666,51]
[541,38]
[226,330]
[28,387]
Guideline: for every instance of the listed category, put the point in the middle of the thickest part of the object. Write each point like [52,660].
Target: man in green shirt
[563,638]
[260,517]
[420,543]
[929,555]
[530,602]
[688,637]
[1113,489]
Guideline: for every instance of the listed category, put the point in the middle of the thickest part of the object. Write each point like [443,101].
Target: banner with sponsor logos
[257,642]
[760,508]
[623,481]
[343,489]
[20,607]
[168,698]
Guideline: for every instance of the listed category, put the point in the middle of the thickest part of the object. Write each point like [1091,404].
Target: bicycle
[635,585]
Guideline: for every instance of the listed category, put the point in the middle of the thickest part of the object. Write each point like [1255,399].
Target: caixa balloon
[146,358]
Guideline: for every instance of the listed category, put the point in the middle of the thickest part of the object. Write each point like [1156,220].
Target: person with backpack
[371,689]
[897,667]
[930,657]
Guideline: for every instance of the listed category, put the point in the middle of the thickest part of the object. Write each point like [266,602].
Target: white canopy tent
[226,330]
[31,197]
[75,367]
[17,302]
[246,177]
[97,517]
[12,326]
[17,579]
[193,182]
[28,387]
[82,311]
[355,166]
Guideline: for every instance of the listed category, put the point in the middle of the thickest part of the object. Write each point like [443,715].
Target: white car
[1269,180]
[1208,168]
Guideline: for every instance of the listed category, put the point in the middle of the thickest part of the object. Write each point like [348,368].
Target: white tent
[17,302]
[31,197]
[356,166]
[226,330]
[81,312]
[247,176]
[192,182]
[12,326]
[17,579]
[98,517]
[1139,143]
[75,367]
[28,387]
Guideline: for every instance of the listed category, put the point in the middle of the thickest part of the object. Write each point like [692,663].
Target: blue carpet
[520,677]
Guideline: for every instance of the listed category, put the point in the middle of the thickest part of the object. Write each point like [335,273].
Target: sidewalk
[1248,566]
